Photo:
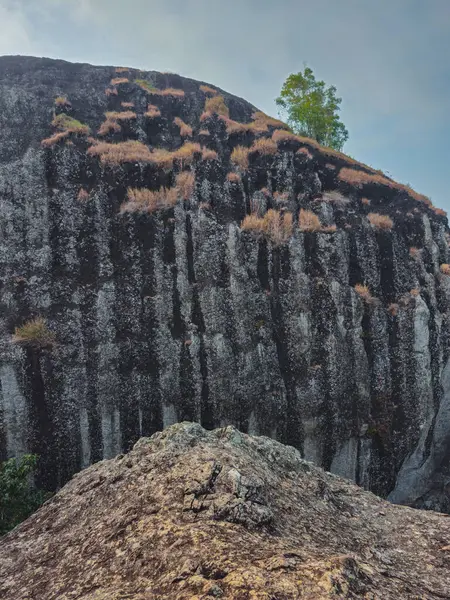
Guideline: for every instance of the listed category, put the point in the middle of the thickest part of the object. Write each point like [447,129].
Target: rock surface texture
[191,514]
[123,232]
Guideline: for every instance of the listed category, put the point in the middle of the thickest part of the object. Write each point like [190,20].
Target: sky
[389,59]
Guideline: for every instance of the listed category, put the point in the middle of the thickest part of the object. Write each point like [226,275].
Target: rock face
[164,309]
[192,514]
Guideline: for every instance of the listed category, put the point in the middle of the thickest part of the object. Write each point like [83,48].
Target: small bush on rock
[34,333]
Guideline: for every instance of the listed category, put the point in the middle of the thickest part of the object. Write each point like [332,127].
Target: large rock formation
[191,514]
[164,309]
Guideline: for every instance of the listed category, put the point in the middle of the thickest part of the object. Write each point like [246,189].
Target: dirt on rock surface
[196,514]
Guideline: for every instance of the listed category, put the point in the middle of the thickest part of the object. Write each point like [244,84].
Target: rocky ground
[192,514]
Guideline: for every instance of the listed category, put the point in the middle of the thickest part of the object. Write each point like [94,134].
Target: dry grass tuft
[335,197]
[62,101]
[305,152]
[208,154]
[239,157]
[276,225]
[34,333]
[263,119]
[127,104]
[152,111]
[414,252]
[186,153]
[185,130]
[185,182]
[359,178]
[126,115]
[233,177]
[209,91]
[123,152]
[145,200]
[365,201]
[308,221]
[122,69]
[393,309]
[83,195]
[111,92]
[445,269]
[264,146]
[416,291]
[175,93]
[364,292]
[54,139]
[216,105]
[280,135]
[439,211]
[380,221]
[119,80]
[109,126]
[204,132]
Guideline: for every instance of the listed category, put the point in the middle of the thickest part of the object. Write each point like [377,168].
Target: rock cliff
[170,253]
[192,514]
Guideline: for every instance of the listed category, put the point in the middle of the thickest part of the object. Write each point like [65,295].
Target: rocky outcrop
[332,337]
[196,514]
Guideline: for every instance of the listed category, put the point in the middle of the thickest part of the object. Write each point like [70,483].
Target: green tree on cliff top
[312,108]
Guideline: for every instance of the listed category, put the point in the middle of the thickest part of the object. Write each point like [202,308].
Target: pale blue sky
[389,59]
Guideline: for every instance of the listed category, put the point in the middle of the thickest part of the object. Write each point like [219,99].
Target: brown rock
[191,514]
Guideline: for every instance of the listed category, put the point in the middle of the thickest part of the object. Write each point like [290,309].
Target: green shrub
[18,498]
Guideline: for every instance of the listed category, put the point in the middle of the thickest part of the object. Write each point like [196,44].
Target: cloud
[14,31]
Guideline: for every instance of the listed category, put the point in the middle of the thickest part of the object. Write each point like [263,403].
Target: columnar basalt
[331,335]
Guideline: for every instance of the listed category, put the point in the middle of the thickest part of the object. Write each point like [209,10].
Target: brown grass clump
[416,291]
[83,195]
[204,132]
[175,93]
[112,118]
[365,201]
[335,197]
[162,158]
[305,152]
[264,146]
[239,157]
[209,91]
[439,211]
[119,80]
[185,130]
[280,135]
[445,269]
[277,226]
[126,115]
[152,111]
[208,154]
[233,177]
[187,152]
[414,252]
[34,333]
[127,104]
[308,221]
[185,182]
[122,69]
[123,152]
[54,139]
[380,221]
[393,309]
[144,200]
[359,178]
[216,105]
[111,92]
[62,101]
[364,292]
[109,126]
[263,119]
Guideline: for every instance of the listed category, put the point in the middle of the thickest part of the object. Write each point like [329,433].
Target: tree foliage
[18,498]
[312,109]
